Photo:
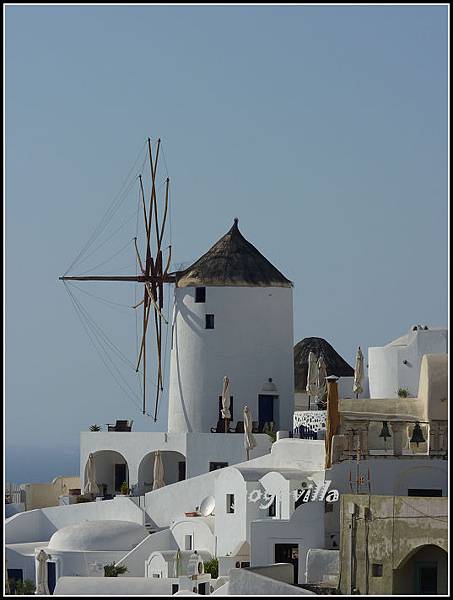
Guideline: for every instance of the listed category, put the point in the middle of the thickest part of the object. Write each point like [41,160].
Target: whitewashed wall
[233,528]
[386,370]
[135,560]
[23,561]
[201,531]
[305,528]
[253,327]
[203,448]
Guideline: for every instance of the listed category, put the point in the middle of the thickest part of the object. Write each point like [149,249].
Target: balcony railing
[309,424]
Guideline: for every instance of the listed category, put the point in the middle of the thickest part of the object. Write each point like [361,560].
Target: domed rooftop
[98,535]
[335,364]
[232,261]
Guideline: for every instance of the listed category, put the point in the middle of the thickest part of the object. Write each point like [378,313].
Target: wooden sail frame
[153,275]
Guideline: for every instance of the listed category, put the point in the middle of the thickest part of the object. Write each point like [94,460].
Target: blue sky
[323,128]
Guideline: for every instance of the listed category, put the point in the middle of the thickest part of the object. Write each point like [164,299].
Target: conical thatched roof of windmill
[232,261]
[336,365]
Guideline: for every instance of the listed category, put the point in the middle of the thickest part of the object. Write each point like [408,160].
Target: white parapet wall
[245,582]
[113,586]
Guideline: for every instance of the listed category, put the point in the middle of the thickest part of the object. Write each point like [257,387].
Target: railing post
[398,428]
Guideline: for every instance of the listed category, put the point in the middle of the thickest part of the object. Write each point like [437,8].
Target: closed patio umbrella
[226,401]
[358,373]
[322,383]
[158,471]
[249,438]
[91,487]
[312,377]
[42,587]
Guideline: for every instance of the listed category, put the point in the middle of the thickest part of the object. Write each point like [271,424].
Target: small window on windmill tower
[200,294]
[209,321]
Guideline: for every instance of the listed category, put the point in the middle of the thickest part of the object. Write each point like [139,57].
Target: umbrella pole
[226,425]
[248,454]
[309,401]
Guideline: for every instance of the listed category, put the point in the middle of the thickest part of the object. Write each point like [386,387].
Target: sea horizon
[40,464]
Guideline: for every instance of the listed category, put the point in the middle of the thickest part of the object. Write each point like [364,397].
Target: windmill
[153,274]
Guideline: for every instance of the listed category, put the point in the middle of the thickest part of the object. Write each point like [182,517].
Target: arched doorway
[423,571]
[111,471]
[174,469]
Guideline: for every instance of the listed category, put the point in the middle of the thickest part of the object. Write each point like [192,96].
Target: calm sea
[28,464]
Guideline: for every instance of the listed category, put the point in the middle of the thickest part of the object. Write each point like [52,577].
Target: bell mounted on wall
[417,435]
[385,433]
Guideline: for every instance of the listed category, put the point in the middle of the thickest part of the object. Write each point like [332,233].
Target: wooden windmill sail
[153,273]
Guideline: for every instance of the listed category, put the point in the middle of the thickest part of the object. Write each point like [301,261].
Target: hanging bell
[385,433]
[417,435]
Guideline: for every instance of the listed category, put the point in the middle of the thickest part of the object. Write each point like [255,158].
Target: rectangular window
[200,294]
[231,408]
[424,492]
[181,470]
[377,570]
[230,503]
[174,588]
[209,321]
[188,542]
[272,508]
[213,466]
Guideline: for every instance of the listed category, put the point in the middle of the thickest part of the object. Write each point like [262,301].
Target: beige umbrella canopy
[358,373]
[91,487]
[249,438]
[312,377]
[158,471]
[321,381]
[42,587]
[226,401]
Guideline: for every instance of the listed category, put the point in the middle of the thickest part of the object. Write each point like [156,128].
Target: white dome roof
[98,535]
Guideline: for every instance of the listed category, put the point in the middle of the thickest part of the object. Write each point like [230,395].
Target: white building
[396,366]
[232,308]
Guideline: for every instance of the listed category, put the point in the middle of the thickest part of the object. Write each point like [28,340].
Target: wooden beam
[136,278]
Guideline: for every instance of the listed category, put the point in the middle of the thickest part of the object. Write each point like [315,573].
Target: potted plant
[403,393]
[212,567]
[95,427]
[124,488]
[112,570]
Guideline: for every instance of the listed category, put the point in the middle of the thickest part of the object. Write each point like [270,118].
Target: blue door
[265,409]
[51,576]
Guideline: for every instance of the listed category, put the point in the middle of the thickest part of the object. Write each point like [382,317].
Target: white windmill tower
[233,316]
